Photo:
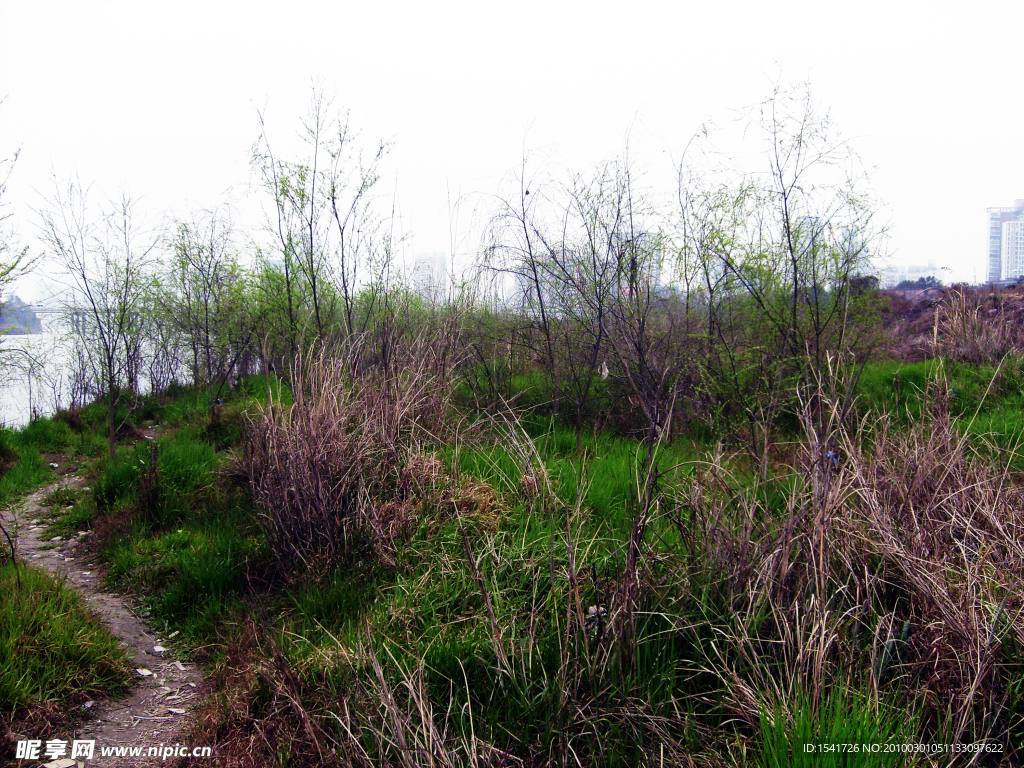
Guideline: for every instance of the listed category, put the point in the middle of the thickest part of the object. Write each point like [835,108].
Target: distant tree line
[588,299]
[920,284]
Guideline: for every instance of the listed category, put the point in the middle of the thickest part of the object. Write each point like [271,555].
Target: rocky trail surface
[157,711]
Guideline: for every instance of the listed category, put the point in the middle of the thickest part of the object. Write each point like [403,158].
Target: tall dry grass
[885,562]
[978,328]
[944,530]
[316,468]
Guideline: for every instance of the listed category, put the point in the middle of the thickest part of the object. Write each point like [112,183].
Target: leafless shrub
[318,468]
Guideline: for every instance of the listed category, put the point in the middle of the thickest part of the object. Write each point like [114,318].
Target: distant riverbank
[18,319]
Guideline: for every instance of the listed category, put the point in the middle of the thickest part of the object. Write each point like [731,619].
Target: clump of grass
[263,718]
[30,472]
[970,326]
[51,647]
[61,496]
[315,467]
[71,510]
[118,480]
[186,464]
[842,731]
[78,518]
[47,435]
[8,452]
[944,529]
[22,466]
[193,570]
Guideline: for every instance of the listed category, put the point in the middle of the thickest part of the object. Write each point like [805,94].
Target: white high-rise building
[1012,250]
[997,219]
[430,275]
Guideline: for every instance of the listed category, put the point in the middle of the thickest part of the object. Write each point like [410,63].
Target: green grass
[904,390]
[46,435]
[62,496]
[189,569]
[22,467]
[30,472]
[118,478]
[70,510]
[67,522]
[986,402]
[186,464]
[316,610]
[606,475]
[51,648]
[844,732]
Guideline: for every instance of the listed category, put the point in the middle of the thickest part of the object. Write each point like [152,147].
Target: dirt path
[157,711]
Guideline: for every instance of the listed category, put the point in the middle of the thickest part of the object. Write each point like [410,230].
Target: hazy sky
[162,99]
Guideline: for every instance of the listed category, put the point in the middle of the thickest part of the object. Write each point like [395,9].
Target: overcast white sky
[163,98]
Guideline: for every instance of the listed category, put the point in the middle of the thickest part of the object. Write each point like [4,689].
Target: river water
[33,376]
